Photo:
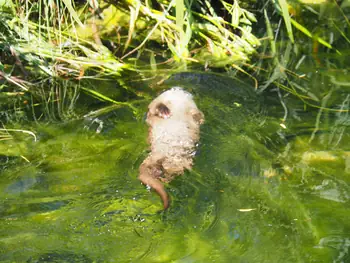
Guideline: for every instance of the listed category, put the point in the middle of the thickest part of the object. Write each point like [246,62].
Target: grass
[70,43]
[67,41]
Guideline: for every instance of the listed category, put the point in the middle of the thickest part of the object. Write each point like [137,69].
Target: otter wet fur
[174,123]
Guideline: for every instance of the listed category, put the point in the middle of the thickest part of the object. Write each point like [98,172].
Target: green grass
[72,43]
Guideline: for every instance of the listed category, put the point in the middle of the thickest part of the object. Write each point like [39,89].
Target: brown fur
[174,121]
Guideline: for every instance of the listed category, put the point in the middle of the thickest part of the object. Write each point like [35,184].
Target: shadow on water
[253,195]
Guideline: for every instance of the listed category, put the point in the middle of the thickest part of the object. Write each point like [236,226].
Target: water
[257,192]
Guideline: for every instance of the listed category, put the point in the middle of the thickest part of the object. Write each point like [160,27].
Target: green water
[257,193]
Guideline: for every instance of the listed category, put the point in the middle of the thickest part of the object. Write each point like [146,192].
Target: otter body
[174,122]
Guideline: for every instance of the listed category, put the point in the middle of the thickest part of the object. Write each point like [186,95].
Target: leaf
[152,61]
[286,17]
[134,13]
[308,33]
[68,4]
[270,34]
[235,14]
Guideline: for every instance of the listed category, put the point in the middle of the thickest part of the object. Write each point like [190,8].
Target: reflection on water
[255,194]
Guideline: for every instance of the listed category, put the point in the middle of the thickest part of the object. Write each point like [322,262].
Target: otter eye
[162,111]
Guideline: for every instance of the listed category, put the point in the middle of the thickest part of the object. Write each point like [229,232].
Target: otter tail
[157,186]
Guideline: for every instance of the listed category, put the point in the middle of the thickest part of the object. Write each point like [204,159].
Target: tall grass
[286,70]
[69,43]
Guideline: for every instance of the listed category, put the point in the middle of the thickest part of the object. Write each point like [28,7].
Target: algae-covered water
[258,192]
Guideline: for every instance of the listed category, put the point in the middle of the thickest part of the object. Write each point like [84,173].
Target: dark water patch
[22,185]
[8,162]
[15,209]
[223,89]
[61,257]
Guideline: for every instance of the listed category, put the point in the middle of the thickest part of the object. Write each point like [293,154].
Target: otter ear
[198,116]
[162,111]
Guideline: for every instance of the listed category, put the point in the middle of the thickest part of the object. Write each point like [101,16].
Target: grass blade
[68,4]
[308,33]
[270,34]
[286,17]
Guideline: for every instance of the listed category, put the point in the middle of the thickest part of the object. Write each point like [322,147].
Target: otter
[174,123]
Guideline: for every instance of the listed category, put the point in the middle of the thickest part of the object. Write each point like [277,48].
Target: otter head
[175,104]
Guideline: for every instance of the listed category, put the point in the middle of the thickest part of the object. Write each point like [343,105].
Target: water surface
[258,192]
